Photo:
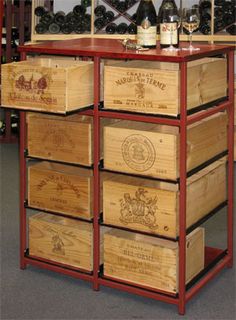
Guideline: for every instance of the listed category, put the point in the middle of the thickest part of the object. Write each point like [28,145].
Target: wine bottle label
[146,37]
[168,30]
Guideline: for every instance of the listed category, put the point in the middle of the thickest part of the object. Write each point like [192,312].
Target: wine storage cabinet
[206,262]
[119,16]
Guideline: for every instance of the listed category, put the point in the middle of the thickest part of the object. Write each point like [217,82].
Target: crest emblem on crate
[139,209]
[58,245]
[139,90]
[138,152]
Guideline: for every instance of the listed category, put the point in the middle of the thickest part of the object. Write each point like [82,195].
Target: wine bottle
[114,3]
[228,18]
[132,28]
[205,28]
[86,3]
[169,28]
[2,127]
[47,18]
[232,30]
[71,18]
[204,4]
[66,28]
[99,11]
[122,6]
[146,24]
[79,10]
[54,28]
[60,17]
[39,11]
[41,28]
[111,28]
[109,16]
[165,5]
[219,2]
[122,28]
[218,12]
[99,23]
[87,22]
[14,122]
[79,28]
[219,25]
[130,3]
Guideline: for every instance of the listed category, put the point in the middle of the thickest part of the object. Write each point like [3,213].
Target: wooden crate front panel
[61,240]
[154,87]
[67,139]
[61,188]
[153,150]
[47,85]
[153,207]
[150,261]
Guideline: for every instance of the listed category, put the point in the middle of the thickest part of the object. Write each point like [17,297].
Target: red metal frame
[98,48]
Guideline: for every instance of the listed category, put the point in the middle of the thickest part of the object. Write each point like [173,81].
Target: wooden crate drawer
[67,139]
[150,261]
[154,87]
[153,206]
[61,240]
[153,150]
[49,85]
[61,188]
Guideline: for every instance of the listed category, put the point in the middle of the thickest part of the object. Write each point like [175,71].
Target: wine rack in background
[13,33]
[123,14]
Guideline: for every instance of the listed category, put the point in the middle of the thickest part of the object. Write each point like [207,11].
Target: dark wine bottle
[228,18]
[39,11]
[204,4]
[219,2]
[130,3]
[122,6]
[218,12]
[232,30]
[14,122]
[111,28]
[71,18]
[2,127]
[132,28]
[99,23]
[122,28]
[87,22]
[47,18]
[79,10]
[114,3]
[66,28]
[146,24]
[219,25]
[41,28]
[79,28]
[205,28]
[86,3]
[54,28]
[109,16]
[165,5]
[60,17]
[99,11]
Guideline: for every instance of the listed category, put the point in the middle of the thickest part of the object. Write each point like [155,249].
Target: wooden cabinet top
[111,48]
